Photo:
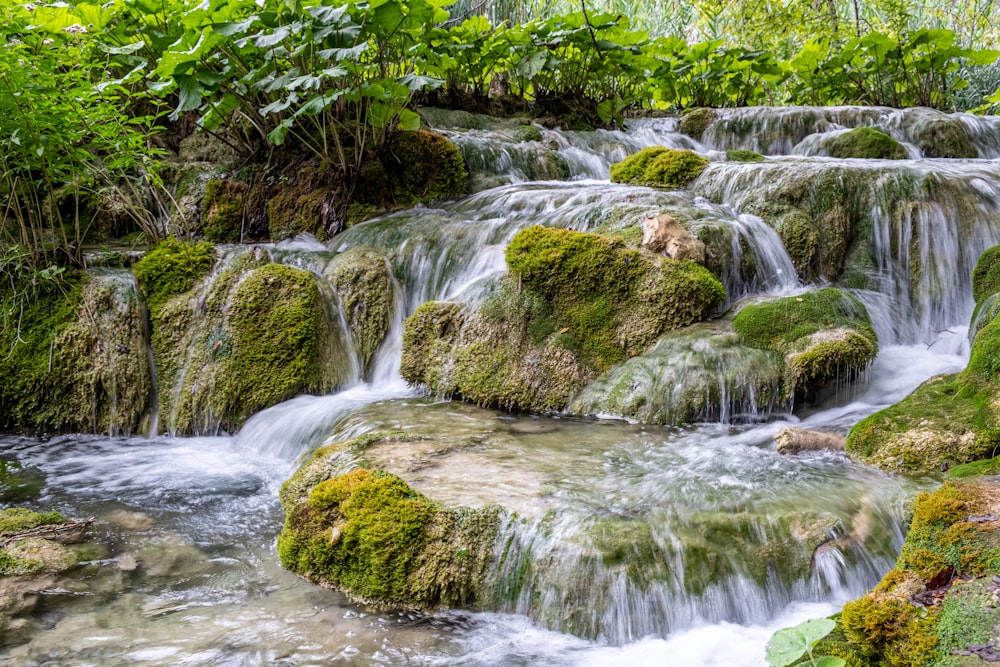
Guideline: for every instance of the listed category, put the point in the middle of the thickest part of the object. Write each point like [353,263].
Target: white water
[208,590]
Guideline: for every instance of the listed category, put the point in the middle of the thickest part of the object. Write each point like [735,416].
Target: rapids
[190,573]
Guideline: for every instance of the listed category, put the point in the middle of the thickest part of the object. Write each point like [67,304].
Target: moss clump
[744,156]
[428,336]
[695,121]
[172,267]
[776,324]
[423,166]
[865,143]
[945,138]
[369,534]
[890,631]
[615,300]
[659,166]
[362,278]
[20,518]
[975,469]
[986,275]
[224,210]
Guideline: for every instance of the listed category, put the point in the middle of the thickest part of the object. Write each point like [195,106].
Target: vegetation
[659,166]
[866,143]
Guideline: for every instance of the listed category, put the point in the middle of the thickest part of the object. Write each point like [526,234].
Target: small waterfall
[787,131]
[911,231]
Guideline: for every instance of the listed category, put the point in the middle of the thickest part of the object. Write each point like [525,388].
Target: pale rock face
[792,440]
[663,234]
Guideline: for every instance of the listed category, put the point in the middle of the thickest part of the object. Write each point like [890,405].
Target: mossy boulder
[694,122]
[249,338]
[76,355]
[948,420]
[659,166]
[825,335]
[368,534]
[937,606]
[363,280]
[864,143]
[940,136]
[423,166]
[573,305]
[172,267]
[31,542]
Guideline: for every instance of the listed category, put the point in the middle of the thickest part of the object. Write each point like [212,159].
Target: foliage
[787,646]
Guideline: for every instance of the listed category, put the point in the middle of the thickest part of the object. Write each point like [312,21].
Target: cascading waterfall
[643,540]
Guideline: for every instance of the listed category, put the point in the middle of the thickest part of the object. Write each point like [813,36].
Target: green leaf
[409,121]
[277,135]
[189,90]
[830,661]
[788,645]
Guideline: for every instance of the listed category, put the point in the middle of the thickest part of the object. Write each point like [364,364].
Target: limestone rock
[662,233]
[792,440]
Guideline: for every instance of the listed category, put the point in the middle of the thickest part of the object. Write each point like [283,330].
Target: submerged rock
[370,535]
[792,440]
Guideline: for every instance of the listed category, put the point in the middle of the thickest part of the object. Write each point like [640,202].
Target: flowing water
[632,543]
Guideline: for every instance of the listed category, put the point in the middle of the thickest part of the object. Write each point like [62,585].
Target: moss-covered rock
[573,305]
[659,166]
[938,605]
[363,280]
[251,337]
[948,420]
[825,336]
[172,267]
[224,210]
[367,533]
[865,143]
[942,136]
[423,166]
[694,122]
[76,356]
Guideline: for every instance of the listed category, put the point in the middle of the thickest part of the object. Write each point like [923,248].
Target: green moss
[836,644]
[969,616]
[975,469]
[801,239]
[170,268]
[776,324]
[695,121]
[369,534]
[224,206]
[276,323]
[423,166]
[615,300]
[865,143]
[889,631]
[744,156]
[986,275]
[20,518]
[428,335]
[659,166]
[301,207]
[528,133]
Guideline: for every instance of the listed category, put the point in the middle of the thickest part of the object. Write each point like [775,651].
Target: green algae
[659,166]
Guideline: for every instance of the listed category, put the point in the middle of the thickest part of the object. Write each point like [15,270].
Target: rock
[370,535]
[864,143]
[792,440]
[362,278]
[662,233]
[658,166]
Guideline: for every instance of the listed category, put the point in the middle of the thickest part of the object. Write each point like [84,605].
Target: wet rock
[663,234]
[362,278]
[792,440]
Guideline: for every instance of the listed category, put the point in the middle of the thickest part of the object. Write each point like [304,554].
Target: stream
[190,576]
